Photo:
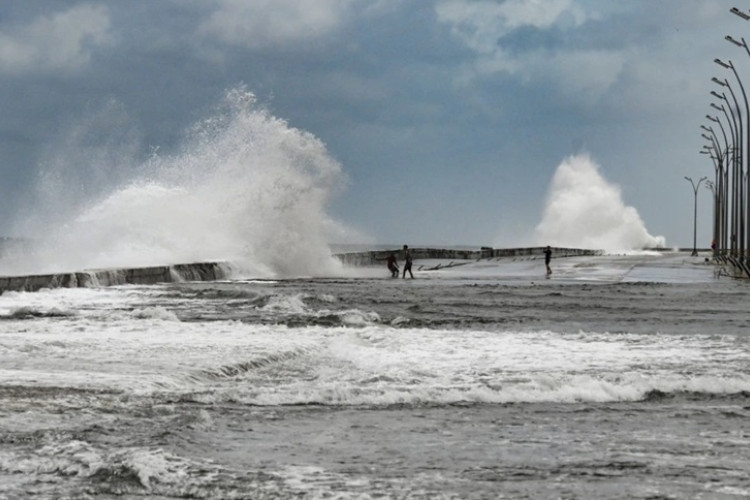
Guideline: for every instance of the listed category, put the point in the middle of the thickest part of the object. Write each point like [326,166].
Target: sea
[616,377]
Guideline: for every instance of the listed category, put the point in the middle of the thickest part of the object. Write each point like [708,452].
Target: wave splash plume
[245,187]
[584,210]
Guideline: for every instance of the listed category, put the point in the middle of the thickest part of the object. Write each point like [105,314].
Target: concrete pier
[203,271]
[211,271]
[377,258]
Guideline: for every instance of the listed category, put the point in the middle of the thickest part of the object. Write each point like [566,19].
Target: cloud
[490,29]
[265,23]
[480,24]
[584,75]
[57,42]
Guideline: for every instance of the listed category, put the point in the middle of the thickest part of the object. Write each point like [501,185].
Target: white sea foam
[246,187]
[584,210]
[365,363]
[295,305]
[286,304]
[127,470]
[354,317]
[155,313]
[118,340]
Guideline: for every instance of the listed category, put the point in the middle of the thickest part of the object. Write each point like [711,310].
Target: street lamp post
[734,120]
[736,181]
[715,196]
[744,206]
[695,212]
[743,44]
[730,152]
[720,181]
[715,186]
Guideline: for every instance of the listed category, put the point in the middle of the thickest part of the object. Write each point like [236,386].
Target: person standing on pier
[407,262]
[392,265]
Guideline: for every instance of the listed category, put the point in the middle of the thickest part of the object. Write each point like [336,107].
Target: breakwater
[212,271]
[377,257]
[203,271]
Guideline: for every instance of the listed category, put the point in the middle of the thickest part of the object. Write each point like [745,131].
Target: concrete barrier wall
[377,258]
[204,271]
[211,271]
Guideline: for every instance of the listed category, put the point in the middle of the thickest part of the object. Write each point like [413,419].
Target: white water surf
[584,210]
[245,187]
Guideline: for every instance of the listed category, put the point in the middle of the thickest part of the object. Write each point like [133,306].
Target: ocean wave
[299,310]
[659,396]
[154,313]
[387,390]
[286,304]
[238,369]
[82,470]
[220,291]
[30,312]
[355,317]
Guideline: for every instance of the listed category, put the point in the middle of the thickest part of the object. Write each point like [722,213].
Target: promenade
[569,263]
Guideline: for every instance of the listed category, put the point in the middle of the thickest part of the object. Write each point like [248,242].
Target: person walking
[407,262]
[392,265]
[547,259]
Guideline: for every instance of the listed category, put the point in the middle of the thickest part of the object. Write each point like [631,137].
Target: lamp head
[738,12]
[723,64]
[732,40]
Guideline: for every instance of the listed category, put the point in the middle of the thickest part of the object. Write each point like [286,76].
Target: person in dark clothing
[547,259]
[407,262]
[392,265]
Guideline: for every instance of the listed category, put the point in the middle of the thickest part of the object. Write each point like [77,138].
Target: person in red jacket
[392,265]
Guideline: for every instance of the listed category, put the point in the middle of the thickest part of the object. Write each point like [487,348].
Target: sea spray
[584,210]
[245,187]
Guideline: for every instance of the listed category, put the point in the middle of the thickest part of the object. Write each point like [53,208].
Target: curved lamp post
[731,156]
[716,184]
[715,196]
[743,191]
[743,44]
[735,183]
[695,212]
[715,152]
[716,120]
[713,186]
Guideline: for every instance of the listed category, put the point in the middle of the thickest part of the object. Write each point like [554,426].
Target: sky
[449,118]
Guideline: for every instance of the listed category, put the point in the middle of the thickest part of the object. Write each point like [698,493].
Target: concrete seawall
[204,271]
[377,258]
[211,271]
